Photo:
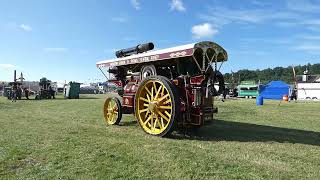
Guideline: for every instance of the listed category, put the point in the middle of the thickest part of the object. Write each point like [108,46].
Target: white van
[308,91]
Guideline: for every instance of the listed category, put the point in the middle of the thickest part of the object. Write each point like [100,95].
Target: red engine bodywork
[192,68]
[195,105]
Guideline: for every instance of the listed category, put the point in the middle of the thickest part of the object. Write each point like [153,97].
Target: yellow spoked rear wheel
[155,106]
[112,111]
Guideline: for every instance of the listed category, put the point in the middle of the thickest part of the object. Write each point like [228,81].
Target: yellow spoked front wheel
[112,111]
[155,105]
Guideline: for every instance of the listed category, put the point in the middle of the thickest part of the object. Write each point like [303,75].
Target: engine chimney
[15,76]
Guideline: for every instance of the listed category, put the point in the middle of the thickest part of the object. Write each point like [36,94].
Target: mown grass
[68,139]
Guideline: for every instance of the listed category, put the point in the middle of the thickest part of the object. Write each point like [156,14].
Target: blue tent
[274,90]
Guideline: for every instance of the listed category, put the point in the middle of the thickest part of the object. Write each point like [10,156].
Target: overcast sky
[62,40]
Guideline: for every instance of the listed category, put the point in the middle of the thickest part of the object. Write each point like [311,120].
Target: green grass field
[68,139]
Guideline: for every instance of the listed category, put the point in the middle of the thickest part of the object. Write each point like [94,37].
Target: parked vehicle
[248,89]
[167,88]
[308,91]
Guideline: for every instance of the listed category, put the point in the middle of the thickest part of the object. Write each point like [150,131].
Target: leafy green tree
[266,75]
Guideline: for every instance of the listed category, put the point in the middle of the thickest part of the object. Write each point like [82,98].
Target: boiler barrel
[135,50]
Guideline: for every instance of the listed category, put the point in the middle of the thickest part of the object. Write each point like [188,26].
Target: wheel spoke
[143,110]
[144,99]
[168,114]
[163,97]
[167,101]
[162,92]
[155,123]
[145,116]
[149,118]
[155,88]
[146,105]
[148,97]
[152,93]
[112,118]
[162,124]
[147,90]
[165,107]
[159,123]
[152,121]
[157,94]
[164,117]
[109,105]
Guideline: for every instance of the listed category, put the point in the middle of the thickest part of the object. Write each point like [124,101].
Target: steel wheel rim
[110,111]
[154,107]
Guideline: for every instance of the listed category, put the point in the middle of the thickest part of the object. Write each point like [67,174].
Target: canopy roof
[168,53]
[278,84]
[275,90]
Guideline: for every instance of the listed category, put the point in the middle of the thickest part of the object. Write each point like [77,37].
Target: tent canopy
[274,90]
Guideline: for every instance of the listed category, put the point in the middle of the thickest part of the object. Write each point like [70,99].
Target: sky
[62,40]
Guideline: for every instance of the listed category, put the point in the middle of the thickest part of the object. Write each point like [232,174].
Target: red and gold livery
[166,88]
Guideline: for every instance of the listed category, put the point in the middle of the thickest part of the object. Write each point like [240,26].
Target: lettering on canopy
[168,55]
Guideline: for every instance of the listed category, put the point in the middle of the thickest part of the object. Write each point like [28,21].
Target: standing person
[26,93]
[52,92]
[294,95]
[19,92]
[14,93]
[225,92]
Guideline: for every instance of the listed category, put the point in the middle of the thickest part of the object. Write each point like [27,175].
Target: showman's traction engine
[167,88]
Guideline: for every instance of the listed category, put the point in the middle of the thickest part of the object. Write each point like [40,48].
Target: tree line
[266,75]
